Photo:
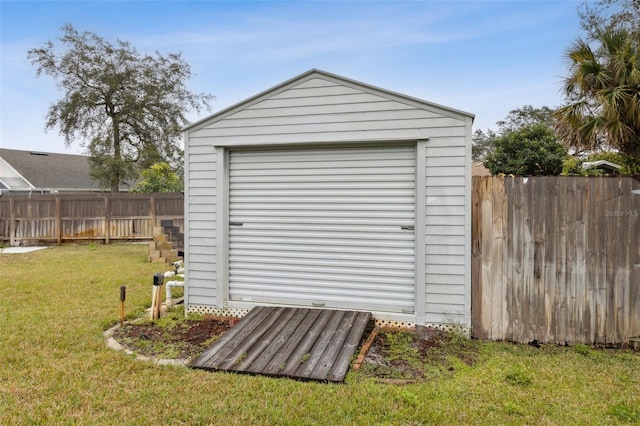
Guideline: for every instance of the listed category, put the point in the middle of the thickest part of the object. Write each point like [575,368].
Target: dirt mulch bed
[407,356]
[186,340]
[394,356]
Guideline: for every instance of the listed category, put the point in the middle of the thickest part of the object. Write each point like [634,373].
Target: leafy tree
[159,178]
[125,108]
[606,15]
[603,93]
[482,144]
[526,116]
[529,151]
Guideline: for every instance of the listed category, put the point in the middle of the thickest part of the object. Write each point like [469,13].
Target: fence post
[58,220]
[476,257]
[152,211]
[636,192]
[12,223]
[107,223]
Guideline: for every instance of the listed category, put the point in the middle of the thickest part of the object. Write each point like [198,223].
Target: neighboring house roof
[602,164]
[313,73]
[44,171]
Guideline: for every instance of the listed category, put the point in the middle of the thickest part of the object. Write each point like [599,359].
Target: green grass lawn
[56,369]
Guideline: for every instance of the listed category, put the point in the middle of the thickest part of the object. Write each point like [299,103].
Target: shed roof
[46,170]
[316,73]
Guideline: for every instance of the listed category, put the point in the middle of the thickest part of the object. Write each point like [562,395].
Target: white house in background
[607,166]
[328,192]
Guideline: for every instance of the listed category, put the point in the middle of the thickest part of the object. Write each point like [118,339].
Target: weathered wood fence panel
[85,217]
[556,259]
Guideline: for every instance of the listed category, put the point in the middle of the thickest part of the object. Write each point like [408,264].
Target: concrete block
[161,245]
[167,253]
[171,259]
[160,238]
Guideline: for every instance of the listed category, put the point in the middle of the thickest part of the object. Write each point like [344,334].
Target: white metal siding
[200,224]
[319,108]
[328,227]
[446,236]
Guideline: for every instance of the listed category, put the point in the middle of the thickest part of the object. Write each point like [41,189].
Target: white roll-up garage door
[331,227]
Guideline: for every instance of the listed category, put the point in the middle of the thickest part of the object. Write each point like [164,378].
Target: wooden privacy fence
[85,217]
[556,259]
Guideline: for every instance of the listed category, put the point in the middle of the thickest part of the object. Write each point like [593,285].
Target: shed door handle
[408,227]
[235,224]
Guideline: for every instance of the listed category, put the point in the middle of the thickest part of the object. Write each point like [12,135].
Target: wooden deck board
[331,354]
[240,353]
[278,362]
[229,346]
[206,357]
[313,357]
[343,360]
[267,340]
[313,344]
[303,349]
[271,353]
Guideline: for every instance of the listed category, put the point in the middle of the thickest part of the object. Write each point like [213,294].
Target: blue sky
[484,57]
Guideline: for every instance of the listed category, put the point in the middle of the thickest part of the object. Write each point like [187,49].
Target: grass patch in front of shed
[56,368]
[405,355]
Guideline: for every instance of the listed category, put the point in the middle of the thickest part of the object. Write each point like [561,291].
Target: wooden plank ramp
[302,343]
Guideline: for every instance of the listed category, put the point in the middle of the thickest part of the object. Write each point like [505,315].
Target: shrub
[530,151]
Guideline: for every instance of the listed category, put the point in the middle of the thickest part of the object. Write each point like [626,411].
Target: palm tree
[603,94]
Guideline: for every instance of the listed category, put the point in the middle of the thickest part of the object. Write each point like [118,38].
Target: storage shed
[328,192]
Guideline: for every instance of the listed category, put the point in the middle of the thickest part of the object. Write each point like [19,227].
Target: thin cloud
[256,39]
[486,57]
